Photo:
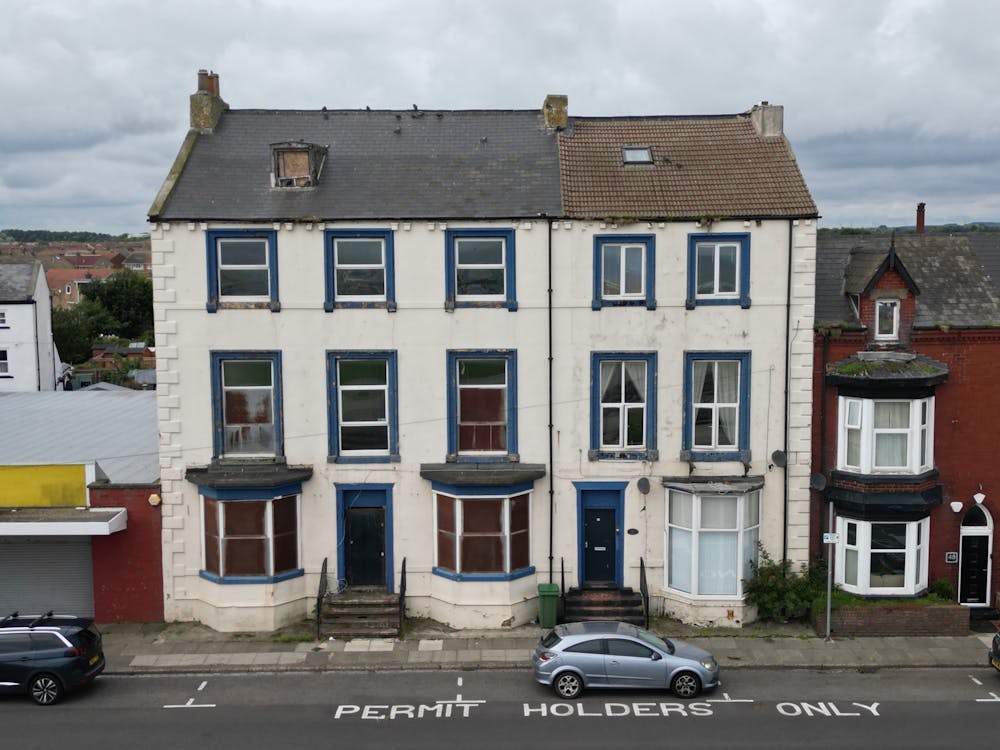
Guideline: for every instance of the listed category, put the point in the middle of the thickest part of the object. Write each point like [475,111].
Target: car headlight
[710,664]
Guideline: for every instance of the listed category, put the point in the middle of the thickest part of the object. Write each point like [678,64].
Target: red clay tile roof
[702,166]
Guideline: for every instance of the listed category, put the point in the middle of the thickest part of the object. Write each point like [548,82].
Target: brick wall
[895,620]
[128,565]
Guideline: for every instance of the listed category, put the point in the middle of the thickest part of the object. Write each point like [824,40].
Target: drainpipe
[38,356]
[788,375]
[552,490]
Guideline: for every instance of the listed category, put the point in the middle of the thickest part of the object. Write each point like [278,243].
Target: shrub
[943,589]
[781,593]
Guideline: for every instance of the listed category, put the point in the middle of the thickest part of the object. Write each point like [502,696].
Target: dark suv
[49,654]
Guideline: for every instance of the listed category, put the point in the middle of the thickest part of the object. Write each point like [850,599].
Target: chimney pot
[203,83]
[206,104]
[920,217]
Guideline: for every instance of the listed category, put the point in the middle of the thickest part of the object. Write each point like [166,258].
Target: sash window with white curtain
[890,436]
[717,396]
[711,542]
[623,406]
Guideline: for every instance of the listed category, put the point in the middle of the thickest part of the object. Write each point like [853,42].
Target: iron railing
[320,598]
[402,596]
[644,592]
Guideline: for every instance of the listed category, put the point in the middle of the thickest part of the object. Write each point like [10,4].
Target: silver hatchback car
[581,655]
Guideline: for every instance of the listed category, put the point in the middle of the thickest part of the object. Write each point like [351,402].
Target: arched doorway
[974,559]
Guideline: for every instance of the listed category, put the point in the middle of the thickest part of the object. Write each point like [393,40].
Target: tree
[128,297]
[75,329]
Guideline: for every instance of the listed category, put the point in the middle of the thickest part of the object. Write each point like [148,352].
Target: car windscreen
[655,640]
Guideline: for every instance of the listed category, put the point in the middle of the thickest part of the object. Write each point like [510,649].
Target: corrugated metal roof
[117,430]
[711,165]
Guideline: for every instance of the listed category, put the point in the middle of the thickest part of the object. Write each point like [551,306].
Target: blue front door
[601,509]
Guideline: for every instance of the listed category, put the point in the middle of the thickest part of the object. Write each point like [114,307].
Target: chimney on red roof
[920,218]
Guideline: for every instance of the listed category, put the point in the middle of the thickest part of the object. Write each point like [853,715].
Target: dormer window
[887,319]
[297,164]
[637,155]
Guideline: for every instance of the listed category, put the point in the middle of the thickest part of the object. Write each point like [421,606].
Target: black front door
[973,574]
[365,538]
[599,545]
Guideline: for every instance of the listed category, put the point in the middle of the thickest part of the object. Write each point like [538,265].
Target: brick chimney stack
[920,218]
[206,104]
[768,119]
[556,111]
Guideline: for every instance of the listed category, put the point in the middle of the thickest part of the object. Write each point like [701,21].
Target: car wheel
[686,685]
[568,685]
[45,689]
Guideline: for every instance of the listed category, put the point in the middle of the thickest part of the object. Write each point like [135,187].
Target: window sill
[700,455]
[226,580]
[390,459]
[388,305]
[511,305]
[648,304]
[272,305]
[719,302]
[636,455]
[464,577]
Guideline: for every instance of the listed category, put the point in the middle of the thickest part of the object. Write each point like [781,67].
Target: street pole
[829,572]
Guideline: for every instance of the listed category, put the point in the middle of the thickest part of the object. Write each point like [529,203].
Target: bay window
[711,542]
[251,540]
[882,557]
[886,435]
[482,536]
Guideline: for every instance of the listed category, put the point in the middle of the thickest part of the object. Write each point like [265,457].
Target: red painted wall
[966,435]
[128,565]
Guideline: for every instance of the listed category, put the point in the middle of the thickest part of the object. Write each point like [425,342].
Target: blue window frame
[718,270]
[624,270]
[482,533]
[362,406]
[623,406]
[359,267]
[247,404]
[480,268]
[716,406]
[242,268]
[482,405]
[251,534]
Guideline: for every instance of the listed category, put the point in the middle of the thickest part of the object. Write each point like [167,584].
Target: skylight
[637,155]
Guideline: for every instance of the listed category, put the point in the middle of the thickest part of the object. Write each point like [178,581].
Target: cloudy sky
[887,102]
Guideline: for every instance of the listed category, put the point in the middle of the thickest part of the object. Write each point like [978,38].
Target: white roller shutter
[38,575]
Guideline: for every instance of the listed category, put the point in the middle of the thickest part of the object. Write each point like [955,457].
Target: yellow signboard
[55,486]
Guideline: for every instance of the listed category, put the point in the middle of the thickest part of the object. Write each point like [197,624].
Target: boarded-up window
[482,405]
[483,535]
[293,168]
[251,538]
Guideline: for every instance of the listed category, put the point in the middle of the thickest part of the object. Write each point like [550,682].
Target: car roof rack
[11,616]
[40,619]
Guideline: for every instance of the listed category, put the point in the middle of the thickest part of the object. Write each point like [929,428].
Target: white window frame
[626,249]
[501,266]
[891,305]
[679,566]
[858,544]
[715,406]
[459,533]
[264,266]
[344,390]
[919,432]
[623,407]
[342,295]
[716,247]
[637,155]
[268,536]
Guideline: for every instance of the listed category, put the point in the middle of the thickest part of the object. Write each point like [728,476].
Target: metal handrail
[644,591]
[320,597]
[402,596]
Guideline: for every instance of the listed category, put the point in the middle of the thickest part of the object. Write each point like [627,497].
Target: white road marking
[975,680]
[727,699]
[202,685]
[191,704]
[994,699]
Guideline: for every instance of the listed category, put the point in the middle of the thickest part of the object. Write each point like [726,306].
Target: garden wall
[895,620]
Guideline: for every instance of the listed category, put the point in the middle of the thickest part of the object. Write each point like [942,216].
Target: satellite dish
[817,482]
[778,458]
[643,485]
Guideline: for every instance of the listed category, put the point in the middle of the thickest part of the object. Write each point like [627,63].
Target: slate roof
[953,283]
[887,367]
[18,280]
[708,165]
[380,164]
[117,430]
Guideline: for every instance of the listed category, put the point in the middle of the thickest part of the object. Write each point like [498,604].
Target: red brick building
[907,361]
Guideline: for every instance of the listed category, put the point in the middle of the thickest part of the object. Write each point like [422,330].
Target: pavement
[191,647]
